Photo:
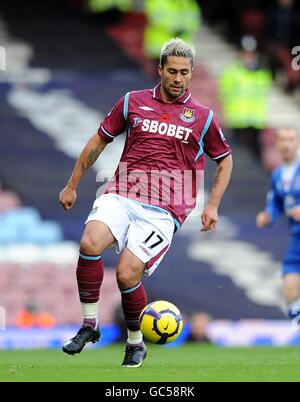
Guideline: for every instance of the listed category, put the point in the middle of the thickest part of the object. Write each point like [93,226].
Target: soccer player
[284,198]
[167,134]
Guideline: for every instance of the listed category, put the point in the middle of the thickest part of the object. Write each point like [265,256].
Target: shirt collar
[183,99]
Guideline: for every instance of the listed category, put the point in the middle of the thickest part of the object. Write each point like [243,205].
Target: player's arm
[217,148]
[113,125]
[87,158]
[274,208]
[209,215]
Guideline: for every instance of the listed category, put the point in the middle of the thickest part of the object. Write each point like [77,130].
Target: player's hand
[209,218]
[67,198]
[294,213]
[263,219]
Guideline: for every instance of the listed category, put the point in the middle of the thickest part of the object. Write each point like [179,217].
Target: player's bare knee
[126,279]
[89,245]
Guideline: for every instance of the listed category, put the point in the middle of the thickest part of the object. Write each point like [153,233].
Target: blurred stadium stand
[81,66]
[8,200]
[24,225]
[50,287]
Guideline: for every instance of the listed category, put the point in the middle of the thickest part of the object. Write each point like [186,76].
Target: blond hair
[177,47]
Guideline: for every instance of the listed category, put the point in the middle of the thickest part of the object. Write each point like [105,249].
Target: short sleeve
[215,143]
[114,123]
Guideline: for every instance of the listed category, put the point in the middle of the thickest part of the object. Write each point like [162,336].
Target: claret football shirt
[163,156]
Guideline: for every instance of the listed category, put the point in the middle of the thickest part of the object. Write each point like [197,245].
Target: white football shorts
[146,230]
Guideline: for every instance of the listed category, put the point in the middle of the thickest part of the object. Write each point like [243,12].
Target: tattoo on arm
[91,159]
[217,176]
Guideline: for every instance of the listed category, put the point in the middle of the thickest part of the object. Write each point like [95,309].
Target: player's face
[288,144]
[175,77]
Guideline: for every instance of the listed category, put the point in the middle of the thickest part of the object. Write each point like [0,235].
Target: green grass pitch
[190,362]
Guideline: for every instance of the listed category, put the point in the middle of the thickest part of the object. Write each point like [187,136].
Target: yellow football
[161,322]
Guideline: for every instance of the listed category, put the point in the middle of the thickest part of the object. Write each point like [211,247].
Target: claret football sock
[89,279]
[133,302]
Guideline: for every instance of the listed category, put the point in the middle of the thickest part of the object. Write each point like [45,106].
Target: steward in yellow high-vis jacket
[167,19]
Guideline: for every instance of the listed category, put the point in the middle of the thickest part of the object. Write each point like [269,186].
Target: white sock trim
[90,310]
[134,337]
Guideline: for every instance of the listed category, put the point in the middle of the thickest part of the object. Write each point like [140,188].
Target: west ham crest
[188,115]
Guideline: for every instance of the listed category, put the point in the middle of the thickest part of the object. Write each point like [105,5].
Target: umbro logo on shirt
[146,108]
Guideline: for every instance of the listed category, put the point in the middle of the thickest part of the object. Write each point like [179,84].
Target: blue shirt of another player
[280,199]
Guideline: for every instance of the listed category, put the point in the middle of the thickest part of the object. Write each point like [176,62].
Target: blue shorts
[291,262]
